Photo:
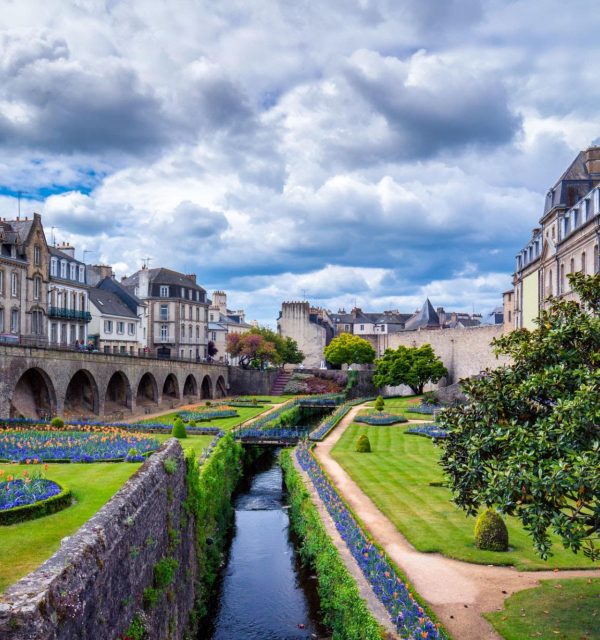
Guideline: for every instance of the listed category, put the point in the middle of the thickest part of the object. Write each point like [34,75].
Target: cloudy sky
[350,151]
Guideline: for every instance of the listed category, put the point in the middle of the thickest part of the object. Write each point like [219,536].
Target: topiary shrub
[491,533]
[178,430]
[57,423]
[363,445]
[379,404]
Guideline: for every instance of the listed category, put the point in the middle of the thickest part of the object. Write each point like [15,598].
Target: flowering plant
[30,488]
[430,430]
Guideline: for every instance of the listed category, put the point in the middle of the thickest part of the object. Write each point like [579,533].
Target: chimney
[67,248]
[219,299]
[191,276]
[143,288]
[592,160]
[96,272]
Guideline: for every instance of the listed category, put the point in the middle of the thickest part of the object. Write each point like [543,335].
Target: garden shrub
[430,397]
[491,533]
[178,430]
[363,445]
[57,423]
[379,404]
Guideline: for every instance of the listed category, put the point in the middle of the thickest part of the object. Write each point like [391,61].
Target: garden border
[50,505]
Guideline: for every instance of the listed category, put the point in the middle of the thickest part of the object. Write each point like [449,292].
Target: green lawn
[565,609]
[269,399]
[397,476]
[245,413]
[197,443]
[399,404]
[24,546]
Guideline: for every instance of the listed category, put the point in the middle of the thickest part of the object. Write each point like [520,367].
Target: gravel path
[458,592]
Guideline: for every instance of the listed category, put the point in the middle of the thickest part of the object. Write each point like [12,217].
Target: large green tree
[528,439]
[412,366]
[349,349]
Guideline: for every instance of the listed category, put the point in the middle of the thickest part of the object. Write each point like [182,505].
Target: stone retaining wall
[93,586]
[250,382]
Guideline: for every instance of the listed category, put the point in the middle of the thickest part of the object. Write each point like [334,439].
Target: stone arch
[147,390]
[81,396]
[118,393]
[171,387]
[206,388]
[190,386]
[33,396]
[220,389]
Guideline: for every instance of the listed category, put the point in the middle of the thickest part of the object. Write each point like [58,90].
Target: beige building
[221,322]
[566,240]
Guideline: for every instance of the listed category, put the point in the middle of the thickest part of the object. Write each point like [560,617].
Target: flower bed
[409,617]
[312,384]
[429,409]
[100,445]
[31,496]
[380,418]
[207,416]
[430,430]
[246,405]
[321,432]
[269,421]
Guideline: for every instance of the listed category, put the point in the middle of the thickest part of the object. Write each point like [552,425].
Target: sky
[356,152]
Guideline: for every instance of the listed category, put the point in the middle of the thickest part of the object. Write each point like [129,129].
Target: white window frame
[164,291]
[14,284]
[108,326]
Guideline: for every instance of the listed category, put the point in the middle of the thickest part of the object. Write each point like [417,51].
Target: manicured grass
[245,413]
[24,546]
[271,399]
[562,609]
[397,474]
[197,443]
[399,404]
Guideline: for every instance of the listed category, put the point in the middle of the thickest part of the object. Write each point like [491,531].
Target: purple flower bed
[430,430]
[409,617]
[331,421]
[208,451]
[290,435]
[429,409]
[207,416]
[380,418]
[17,493]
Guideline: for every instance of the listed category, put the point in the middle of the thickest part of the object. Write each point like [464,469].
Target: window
[37,287]
[14,284]
[37,256]
[190,311]
[164,332]
[509,315]
[182,292]
[73,333]
[54,332]
[81,273]
[120,327]
[81,333]
[182,353]
[583,265]
[197,332]
[183,331]
[108,326]
[183,311]
[214,335]
[1,282]
[37,322]
[550,284]
[73,272]
[1,320]
[123,349]
[362,327]
[190,334]
[211,317]
[164,291]
[596,265]
[131,328]
[63,269]
[562,278]
[197,314]
[190,294]
[14,321]
[53,267]
[164,311]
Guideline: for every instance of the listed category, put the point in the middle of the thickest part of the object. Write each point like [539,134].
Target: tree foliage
[528,440]
[349,349]
[412,366]
[261,346]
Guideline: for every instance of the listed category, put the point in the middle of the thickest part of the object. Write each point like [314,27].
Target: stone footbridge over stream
[36,382]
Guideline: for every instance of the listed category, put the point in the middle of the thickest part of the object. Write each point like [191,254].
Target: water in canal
[264,593]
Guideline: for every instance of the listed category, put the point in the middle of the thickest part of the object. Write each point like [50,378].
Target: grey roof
[109,304]
[357,316]
[22,227]
[161,275]
[215,326]
[426,317]
[61,254]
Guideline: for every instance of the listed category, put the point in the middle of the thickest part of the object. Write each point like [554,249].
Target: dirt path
[458,592]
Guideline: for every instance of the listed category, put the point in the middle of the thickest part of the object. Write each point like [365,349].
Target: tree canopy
[528,439]
[261,346]
[349,349]
[412,366]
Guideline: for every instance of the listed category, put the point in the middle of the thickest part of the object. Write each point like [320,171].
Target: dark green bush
[363,444]
[178,430]
[379,404]
[57,423]
[491,533]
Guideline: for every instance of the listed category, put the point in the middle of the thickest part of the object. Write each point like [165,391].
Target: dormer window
[81,273]
[63,269]
[53,267]
[164,291]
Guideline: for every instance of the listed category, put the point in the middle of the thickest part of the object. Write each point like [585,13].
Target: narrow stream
[264,593]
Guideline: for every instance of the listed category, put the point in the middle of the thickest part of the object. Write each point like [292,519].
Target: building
[177,307]
[68,303]
[566,240]
[221,322]
[13,287]
[368,324]
[114,328]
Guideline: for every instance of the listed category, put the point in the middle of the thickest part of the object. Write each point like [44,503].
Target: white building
[114,327]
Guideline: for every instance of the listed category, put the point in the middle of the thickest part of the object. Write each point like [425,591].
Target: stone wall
[294,322]
[464,352]
[250,382]
[93,586]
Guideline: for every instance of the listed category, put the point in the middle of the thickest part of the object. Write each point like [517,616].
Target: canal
[264,593]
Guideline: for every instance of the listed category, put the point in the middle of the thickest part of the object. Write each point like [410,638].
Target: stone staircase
[280,381]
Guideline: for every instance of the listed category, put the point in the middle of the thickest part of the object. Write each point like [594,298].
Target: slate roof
[62,255]
[22,227]
[108,303]
[161,275]
[426,317]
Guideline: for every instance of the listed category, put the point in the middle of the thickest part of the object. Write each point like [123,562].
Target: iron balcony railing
[69,314]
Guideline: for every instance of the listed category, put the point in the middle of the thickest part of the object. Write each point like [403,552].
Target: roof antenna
[53,235]
[146,262]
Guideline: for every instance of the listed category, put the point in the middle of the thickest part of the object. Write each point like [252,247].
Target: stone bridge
[38,382]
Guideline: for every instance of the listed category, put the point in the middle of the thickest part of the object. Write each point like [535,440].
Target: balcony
[69,314]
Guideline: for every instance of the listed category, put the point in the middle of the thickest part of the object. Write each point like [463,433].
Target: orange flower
[424,634]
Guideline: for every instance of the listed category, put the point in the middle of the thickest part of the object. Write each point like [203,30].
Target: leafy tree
[212,349]
[289,352]
[261,346]
[528,439]
[412,366]
[349,349]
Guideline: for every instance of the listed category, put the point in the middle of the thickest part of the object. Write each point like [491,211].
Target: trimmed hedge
[363,445]
[38,509]
[491,533]
[345,612]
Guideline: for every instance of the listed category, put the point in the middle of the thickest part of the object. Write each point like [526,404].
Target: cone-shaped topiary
[379,403]
[363,445]
[491,533]
[57,423]
[178,430]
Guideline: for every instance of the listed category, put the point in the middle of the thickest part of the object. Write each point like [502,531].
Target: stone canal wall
[133,563]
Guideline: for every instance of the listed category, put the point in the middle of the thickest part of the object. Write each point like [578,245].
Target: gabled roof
[108,303]
[426,317]
[62,255]
[161,275]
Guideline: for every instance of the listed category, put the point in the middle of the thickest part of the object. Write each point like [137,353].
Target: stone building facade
[223,321]
[566,240]
[311,327]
